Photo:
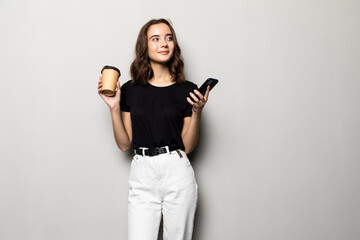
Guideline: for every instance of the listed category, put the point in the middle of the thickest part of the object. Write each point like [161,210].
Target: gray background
[278,156]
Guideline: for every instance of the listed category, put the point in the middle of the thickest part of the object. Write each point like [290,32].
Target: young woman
[158,119]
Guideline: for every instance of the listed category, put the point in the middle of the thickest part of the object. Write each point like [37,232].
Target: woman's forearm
[120,134]
[192,134]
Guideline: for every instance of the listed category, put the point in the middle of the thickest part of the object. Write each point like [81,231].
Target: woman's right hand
[112,102]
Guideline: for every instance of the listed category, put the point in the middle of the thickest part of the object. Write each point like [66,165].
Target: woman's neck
[161,74]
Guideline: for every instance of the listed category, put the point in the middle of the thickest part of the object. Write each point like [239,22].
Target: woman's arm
[121,122]
[190,132]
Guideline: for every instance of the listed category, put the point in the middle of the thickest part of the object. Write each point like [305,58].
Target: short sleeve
[188,110]
[124,106]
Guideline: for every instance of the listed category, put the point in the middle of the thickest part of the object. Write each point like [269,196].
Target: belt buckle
[143,150]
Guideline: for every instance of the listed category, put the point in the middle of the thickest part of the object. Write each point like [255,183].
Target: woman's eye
[170,38]
[155,39]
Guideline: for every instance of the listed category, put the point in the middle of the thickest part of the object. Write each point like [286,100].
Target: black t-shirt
[157,113]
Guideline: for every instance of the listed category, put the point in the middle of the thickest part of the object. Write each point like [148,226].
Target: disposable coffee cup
[110,76]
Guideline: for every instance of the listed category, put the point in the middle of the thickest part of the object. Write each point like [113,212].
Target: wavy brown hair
[140,68]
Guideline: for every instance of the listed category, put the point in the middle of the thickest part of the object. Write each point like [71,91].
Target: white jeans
[163,184]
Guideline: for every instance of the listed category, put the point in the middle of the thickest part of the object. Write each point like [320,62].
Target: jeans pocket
[181,155]
[135,160]
[133,166]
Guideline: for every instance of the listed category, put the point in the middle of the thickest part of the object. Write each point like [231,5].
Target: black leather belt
[153,151]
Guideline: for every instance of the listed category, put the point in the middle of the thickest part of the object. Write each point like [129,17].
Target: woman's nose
[163,43]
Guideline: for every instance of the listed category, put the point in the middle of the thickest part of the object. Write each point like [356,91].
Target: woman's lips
[164,52]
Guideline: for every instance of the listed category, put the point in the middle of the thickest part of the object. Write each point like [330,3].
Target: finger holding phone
[199,100]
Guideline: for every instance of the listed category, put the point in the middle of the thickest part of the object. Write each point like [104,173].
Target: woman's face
[160,43]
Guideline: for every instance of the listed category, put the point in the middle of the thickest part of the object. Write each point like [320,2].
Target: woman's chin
[160,61]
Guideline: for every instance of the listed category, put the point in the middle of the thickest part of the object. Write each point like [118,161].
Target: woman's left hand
[200,100]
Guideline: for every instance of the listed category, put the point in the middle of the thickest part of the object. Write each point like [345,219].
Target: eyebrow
[159,35]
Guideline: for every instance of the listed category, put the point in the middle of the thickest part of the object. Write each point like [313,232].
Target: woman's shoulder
[128,83]
[190,84]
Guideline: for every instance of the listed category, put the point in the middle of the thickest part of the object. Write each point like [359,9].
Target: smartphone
[210,81]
